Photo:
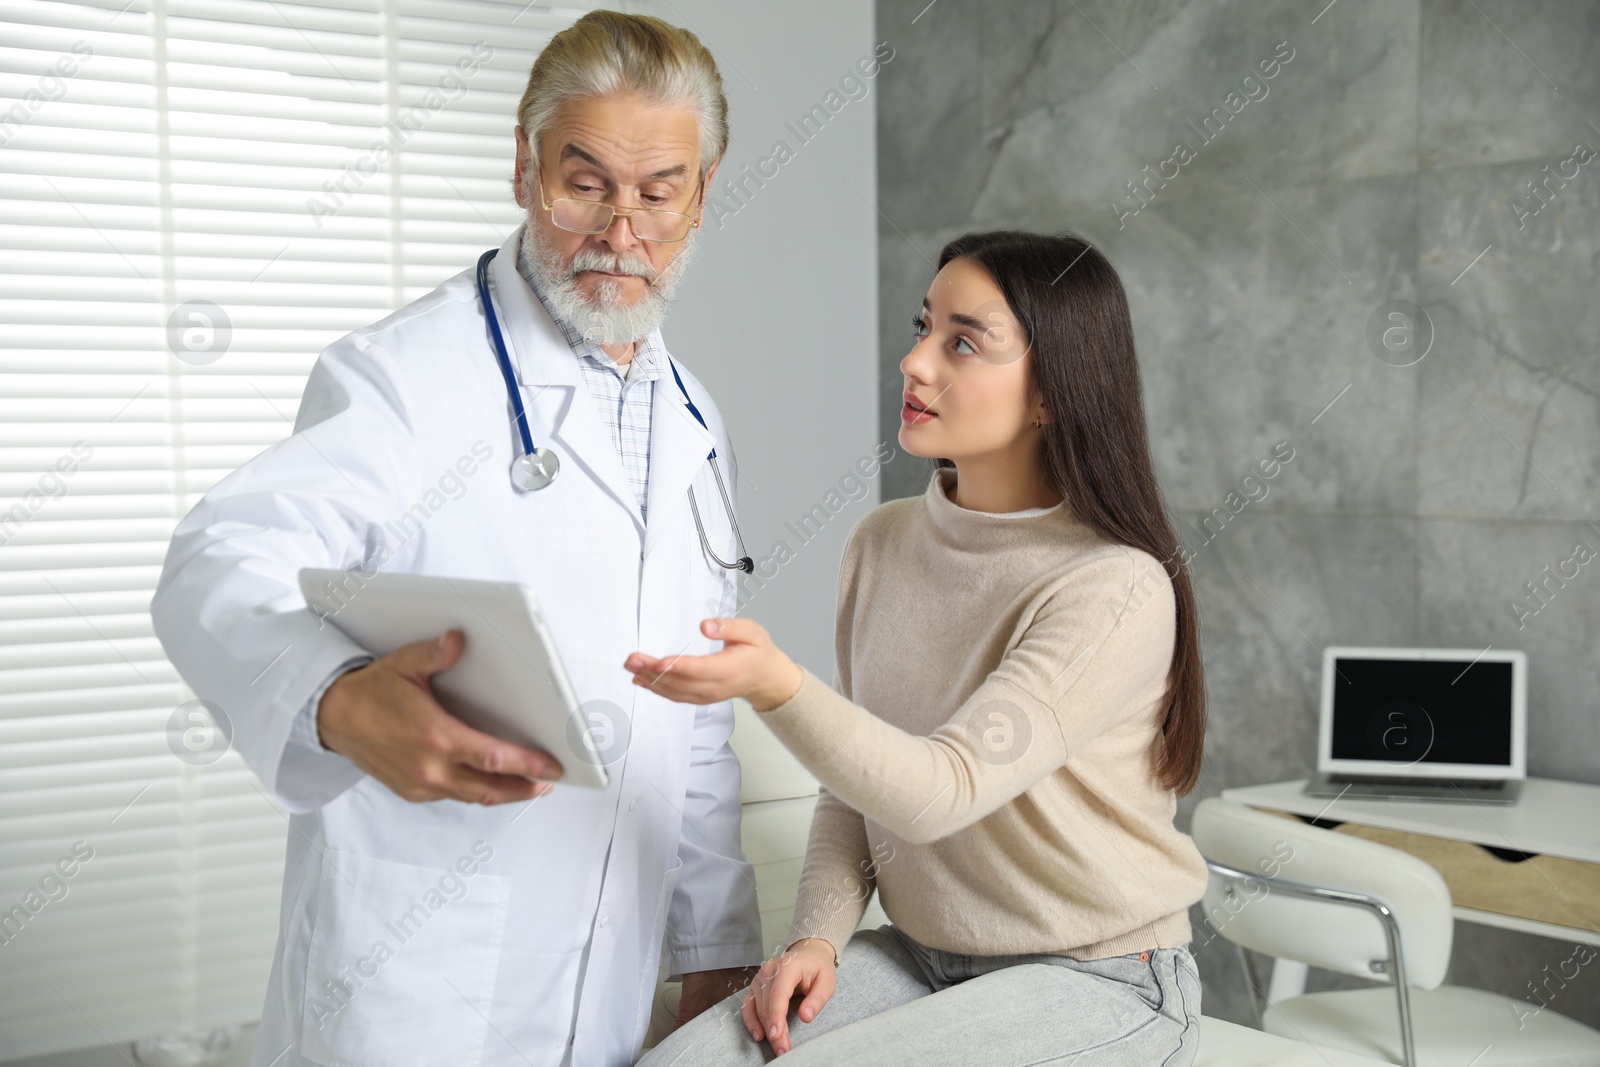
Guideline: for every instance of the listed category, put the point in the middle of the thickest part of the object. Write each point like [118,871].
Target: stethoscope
[536,467]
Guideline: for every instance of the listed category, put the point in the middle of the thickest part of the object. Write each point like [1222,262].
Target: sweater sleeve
[838,876]
[1091,648]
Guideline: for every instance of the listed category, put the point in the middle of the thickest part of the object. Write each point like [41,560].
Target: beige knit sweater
[990,762]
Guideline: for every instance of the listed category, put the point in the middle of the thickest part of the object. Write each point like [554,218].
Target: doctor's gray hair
[608,53]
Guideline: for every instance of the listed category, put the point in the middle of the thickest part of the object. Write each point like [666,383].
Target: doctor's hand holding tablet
[485,713]
[384,718]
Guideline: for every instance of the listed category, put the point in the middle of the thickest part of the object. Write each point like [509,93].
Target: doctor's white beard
[604,320]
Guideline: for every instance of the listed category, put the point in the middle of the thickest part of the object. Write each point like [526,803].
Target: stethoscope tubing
[501,355]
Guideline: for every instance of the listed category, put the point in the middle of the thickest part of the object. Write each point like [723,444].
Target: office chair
[1288,889]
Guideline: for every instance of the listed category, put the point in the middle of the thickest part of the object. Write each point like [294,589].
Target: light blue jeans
[899,1003]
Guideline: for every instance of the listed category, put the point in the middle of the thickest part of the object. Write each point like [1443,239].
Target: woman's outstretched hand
[805,967]
[749,666]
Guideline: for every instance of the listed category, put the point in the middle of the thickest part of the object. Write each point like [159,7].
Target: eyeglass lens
[587,216]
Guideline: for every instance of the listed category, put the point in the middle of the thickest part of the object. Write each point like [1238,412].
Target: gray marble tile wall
[1396,154]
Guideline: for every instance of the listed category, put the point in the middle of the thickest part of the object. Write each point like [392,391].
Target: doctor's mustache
[594,259]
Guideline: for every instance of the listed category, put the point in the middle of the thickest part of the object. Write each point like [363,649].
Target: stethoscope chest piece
[535,470]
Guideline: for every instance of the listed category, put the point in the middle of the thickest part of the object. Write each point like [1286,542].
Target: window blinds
[196,196]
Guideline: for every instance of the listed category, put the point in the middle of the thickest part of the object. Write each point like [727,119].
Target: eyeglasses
[593,216]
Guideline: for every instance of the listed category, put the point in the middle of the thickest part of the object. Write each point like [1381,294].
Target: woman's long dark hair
[1073,310]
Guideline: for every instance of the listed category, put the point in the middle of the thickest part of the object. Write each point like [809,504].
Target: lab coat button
[633,804]
[605,920]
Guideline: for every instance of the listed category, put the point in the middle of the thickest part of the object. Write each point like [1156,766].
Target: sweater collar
[962,525]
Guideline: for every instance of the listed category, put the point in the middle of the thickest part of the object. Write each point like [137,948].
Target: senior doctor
[439,906]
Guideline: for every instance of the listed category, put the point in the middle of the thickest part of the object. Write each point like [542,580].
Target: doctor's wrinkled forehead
[608,53]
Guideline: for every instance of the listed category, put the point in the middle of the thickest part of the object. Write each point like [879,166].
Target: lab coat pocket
[402,963]
[663,905]
[669,883]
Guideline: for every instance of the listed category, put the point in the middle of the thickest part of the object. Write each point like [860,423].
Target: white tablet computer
[509,681]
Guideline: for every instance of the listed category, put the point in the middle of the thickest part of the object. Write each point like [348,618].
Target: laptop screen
[1408,711]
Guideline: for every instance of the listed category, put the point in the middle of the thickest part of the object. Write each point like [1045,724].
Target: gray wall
[1385,157]
[778,312]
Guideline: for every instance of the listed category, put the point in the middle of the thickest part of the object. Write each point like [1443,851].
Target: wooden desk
[1554,893]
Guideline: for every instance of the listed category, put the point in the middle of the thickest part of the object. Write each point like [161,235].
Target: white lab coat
[451,933]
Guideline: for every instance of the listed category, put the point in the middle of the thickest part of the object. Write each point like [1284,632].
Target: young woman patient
[1018,704]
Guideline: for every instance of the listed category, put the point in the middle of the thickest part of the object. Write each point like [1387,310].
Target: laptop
[1422,724]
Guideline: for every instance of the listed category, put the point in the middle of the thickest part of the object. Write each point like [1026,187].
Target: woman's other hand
[807,967]
[749,666]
